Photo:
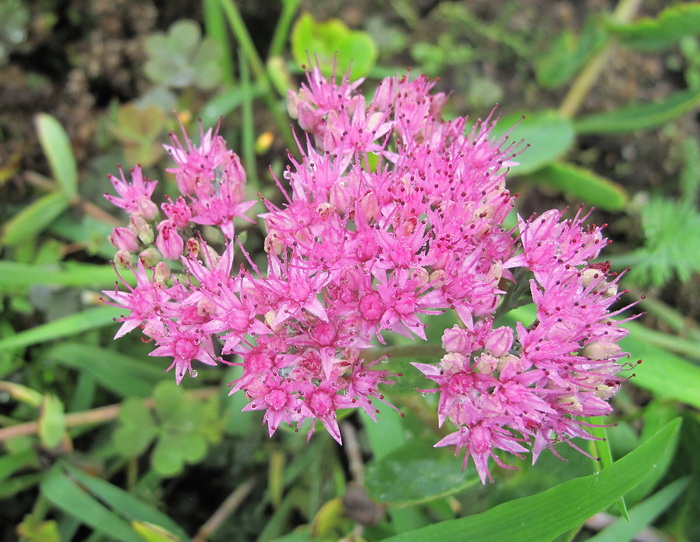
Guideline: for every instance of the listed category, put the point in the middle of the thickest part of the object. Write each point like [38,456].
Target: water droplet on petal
[424,394]
[193,373]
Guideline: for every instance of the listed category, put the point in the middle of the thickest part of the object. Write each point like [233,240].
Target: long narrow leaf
[123,502]
[15,275]
[64,327]
[66,495]
[639,116]
[117,372]
[545,516]
[34,218]
[57,148]
[643,514]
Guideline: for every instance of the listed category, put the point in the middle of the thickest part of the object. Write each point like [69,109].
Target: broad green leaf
[124,503]
[392,479]
[333,46]
[643,514]
[65,494]
[57,148]
[34,218]
[546,515]
[661,372]
[664,31]
[122,374]
[137,428]
[65,327]
[15,275]
[167,460]
[582,184]
[639,116]
[52,421]
[547,134]
[34,530]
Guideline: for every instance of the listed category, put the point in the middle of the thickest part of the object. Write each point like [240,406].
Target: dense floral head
[392,216]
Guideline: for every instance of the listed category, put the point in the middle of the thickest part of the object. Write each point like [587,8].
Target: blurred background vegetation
[96,443]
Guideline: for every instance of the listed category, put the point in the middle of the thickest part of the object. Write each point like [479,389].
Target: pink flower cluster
[392,215]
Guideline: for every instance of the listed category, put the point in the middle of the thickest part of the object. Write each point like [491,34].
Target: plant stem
[625,10]
[245,42]
[289,9]
[94,416]
[233,501]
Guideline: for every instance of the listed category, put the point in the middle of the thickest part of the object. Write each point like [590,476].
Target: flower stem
[625,10]
[94,416]
[245,42]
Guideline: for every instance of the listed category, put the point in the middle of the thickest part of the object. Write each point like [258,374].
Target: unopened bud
[598,350]
[142,229]
[150,257]
[122,259]
[124,239]
[146,208]
[169,241]
[500,341]
[162,272]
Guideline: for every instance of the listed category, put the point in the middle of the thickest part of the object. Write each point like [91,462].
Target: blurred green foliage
[99,444]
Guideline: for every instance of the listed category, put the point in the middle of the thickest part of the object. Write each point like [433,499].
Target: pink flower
[135,197]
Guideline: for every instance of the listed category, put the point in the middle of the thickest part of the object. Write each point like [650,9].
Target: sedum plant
[393,216]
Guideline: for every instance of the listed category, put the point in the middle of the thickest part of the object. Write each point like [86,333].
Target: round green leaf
[52,421]
[583,184]
[547,134]
[393,479]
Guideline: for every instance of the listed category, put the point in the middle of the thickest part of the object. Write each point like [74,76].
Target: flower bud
[162,272]
[142,229]
[150,257]
[124,239]
[146,208]
[122,259]
[598,350]
[169,242]
[456,339]
[500,341]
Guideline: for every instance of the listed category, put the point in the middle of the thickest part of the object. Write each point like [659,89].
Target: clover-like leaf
[137,428]
[181,58]
[139,130]
[333,46]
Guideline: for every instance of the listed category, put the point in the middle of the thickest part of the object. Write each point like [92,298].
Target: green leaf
[582,184]
[137,428]
[568,54]
[643,514]
[125,504]
[547,134]
[65,494]
[117,372]
[546,515]
[14,276]
[34,218]
[64,327]
[57,148]
[11,463]
[167,460]
[392,479]
[639,116]
[52,421]
[333,46]
[668,249]
[664,31]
